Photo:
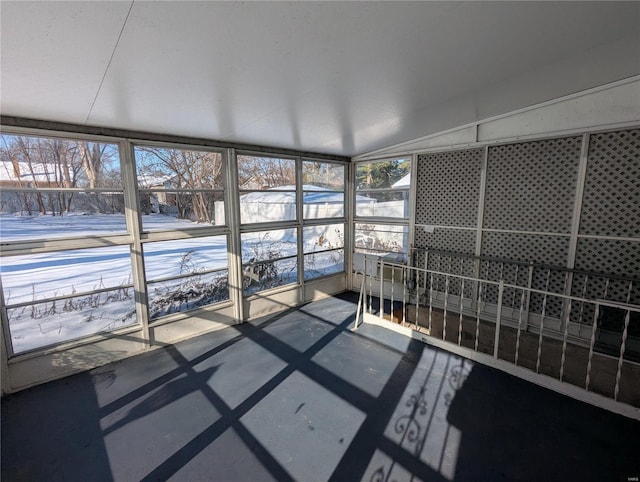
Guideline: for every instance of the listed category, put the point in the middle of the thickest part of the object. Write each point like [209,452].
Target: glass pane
[267,189]
[63,163]
[32,278]
[84,214]
[269,259]
[323,263]
[164,259]
[38,162]
[322,238]
[323,175]
[268,245]
[262,173]
[164,168]
[166,210]
[43,324]
[182,294]
[323,204]
[323,190]
[390,204]
[268,206]
[323,250]
[391,174]
[269,274]
[381,238]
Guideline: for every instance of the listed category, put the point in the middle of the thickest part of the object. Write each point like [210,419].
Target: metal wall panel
[448,188]
[611,201]
[538,248]
[460,240]
[614,257]
[531,185]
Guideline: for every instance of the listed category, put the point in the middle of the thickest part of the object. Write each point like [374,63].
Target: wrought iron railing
[541,277]
[456,309]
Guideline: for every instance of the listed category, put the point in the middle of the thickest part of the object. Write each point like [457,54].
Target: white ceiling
[333,77]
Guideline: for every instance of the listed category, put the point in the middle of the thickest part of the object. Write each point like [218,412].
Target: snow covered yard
[74,293]
[64,295]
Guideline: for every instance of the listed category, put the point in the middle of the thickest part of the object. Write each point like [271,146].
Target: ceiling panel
[54,55]
[337,77]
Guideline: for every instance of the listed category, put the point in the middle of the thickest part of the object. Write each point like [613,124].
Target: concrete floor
[297,396]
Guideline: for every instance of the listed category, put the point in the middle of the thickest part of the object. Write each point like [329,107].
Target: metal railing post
[430,301]
[393,288]
[446,301]
[564,339]
[360,306]
[404,294]
[622,350]
[519,327]
[461,309]
[381,296]
[528,300]
[596,310]
[498,319]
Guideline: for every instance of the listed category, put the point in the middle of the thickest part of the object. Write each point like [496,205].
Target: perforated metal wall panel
[537,248]
[449,188]
[531,188]
[540,249]
[531,185]
[461,240]
[457,265]
[616,257]
[611,201]
[511,273]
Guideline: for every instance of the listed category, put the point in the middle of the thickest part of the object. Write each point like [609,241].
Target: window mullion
[134,226]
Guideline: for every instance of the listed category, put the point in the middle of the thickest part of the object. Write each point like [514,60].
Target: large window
[382,188]
[75,265]
[382,206]
[182,189]
[56,297]
[381,238]
[185,274]
[267,187]
[58,188]
[323,247]
[69,191]
[323,189]
[179,188]
[269,259]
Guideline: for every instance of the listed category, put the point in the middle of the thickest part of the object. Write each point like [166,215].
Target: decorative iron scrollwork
[407,426]
[378,475]
[418,402]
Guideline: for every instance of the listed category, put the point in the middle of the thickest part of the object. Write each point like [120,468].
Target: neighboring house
[403,185]
[279,203]
[14,174]
[155,197]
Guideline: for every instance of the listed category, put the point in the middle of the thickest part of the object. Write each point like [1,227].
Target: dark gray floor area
[297,396]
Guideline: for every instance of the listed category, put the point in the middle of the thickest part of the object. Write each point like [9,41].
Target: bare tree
[199,171]
[265,172]
[92,157]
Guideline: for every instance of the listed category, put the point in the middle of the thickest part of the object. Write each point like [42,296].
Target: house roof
[35,173]
[403,183]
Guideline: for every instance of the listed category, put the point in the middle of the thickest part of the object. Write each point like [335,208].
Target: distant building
[15,174]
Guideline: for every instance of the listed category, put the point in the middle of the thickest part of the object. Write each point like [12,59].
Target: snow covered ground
[69,278]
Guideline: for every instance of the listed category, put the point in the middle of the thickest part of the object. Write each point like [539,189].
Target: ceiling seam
[113,53]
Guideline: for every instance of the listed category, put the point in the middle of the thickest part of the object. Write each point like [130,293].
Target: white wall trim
[470,135]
